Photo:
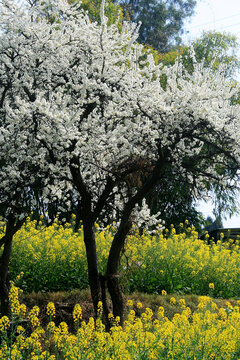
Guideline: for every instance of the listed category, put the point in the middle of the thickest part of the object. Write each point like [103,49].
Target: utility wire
[219,28]
[207,23]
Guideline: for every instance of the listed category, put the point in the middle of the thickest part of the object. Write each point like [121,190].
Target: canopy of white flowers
[81,107]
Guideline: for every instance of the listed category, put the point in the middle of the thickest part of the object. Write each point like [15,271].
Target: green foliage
[213,48]
[112,11]
[175,199]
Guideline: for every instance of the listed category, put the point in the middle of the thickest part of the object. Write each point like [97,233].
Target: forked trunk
[120,237]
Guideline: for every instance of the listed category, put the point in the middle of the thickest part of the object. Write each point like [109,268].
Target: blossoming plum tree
[99,125]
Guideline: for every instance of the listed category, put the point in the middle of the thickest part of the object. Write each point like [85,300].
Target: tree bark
[93,272]
[4,275]
[12,226]
[97,281]
[112,266]
[116,297]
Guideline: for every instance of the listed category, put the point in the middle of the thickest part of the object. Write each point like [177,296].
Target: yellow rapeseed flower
[100,307]
[33,316]
[173,301]
[139,305]
[77,313]
[129,303]
[182,303]
[4,323]
[211,286]
[51,309]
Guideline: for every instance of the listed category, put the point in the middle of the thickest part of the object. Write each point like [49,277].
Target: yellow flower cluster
[4,324]
[207,333]
[14,299]
[33,317]
[173,300]
[16,308]
[211,286]
[174,262]
[77,313]
[51,309]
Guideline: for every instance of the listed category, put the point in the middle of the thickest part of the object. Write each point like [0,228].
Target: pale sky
[219,15]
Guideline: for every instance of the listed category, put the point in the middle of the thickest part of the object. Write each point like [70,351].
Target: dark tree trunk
[12,226]
[93,272]
[95,279]
[116,297]
[112,266]
[4,274]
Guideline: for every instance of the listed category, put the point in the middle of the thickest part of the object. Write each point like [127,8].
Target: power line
[227,17]
[218,28]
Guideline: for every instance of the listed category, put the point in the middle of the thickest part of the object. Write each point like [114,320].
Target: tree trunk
[96,280]
[12,226]
[4,275]
[88,232]
[93,272]
[116,297]
[112,267]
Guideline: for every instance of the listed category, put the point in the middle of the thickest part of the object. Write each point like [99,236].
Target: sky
[219,15]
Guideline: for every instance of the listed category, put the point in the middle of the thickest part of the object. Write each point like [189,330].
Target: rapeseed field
[53,259]
[168,262]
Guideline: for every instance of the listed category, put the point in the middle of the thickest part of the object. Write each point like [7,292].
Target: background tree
[212,48]
[176,202]
[162,21]
[113,11]
[104,128]
[213,224]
